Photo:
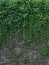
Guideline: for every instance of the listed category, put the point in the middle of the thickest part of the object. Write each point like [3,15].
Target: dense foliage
[27,19]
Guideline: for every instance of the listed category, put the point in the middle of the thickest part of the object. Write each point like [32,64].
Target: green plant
[27,17]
